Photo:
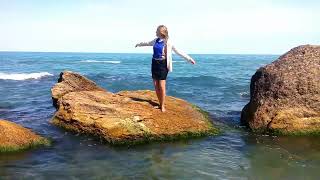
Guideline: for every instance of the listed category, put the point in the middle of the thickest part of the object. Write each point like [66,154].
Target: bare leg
[157,89]
[162,84]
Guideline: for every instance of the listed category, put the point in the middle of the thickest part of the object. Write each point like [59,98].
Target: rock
[285,95]
[14,137]
[70,82]
[126,117]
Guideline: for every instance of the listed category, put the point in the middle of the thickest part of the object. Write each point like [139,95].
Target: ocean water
[217,83]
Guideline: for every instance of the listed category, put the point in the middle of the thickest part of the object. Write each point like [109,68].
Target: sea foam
[244,94]
[23,76]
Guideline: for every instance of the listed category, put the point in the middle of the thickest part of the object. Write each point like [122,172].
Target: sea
[218,83]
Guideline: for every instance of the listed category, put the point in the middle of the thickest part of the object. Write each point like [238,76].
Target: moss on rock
[15,138]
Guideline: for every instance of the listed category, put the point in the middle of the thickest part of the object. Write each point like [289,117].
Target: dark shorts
[159,69]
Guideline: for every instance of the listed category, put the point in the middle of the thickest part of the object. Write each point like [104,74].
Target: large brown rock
[285,95]
[126,117]
[14,137]
[69,82]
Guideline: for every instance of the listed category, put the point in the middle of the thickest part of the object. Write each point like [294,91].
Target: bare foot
[163,109]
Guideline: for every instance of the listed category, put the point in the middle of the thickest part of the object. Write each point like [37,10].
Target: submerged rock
[126,117]
[14,137]
[285,95]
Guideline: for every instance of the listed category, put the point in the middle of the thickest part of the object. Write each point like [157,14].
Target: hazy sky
[195,26]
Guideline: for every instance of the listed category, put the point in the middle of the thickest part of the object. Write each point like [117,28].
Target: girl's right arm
[150,43]
[184,55]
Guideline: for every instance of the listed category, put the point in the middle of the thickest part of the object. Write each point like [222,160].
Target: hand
[193,61]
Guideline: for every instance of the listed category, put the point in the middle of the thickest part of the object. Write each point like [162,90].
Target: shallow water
[217,83]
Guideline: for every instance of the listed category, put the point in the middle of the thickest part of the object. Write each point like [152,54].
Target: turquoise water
[217,83]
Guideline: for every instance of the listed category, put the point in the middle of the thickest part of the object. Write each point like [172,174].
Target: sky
[195,26]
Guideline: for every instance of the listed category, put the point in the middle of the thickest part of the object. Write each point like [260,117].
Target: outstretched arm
[182,54]
[150,43]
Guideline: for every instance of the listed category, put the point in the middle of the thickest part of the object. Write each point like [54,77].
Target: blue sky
[195,26]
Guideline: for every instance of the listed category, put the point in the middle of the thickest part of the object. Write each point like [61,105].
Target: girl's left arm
[184,55]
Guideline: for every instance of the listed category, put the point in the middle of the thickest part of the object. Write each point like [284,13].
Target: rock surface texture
[14,137]
[126,117]
[285,95]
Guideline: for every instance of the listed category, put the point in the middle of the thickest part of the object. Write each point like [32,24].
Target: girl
[162,61]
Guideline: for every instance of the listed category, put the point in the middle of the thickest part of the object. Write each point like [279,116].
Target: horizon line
[90,52]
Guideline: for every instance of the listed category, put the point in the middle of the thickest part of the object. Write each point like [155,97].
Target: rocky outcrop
[285,95]
[70,82]
[126,117]
[14,137]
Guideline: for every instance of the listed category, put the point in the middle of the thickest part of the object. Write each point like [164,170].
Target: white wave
[23,76]
[244,94]
[95,61]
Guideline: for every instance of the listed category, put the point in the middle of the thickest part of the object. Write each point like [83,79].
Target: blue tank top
[158,48]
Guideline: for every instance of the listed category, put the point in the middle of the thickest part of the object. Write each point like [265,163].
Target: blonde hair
[163,32]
